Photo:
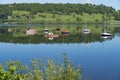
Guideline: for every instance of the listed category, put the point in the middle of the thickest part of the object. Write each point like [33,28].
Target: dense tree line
[6,10]
[117,15]
[64,8]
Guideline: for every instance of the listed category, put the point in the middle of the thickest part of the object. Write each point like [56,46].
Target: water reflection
[77,38]
[100,51]
[106,37]
[58,35]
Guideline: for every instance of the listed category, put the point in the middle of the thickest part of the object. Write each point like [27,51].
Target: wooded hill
[7,11]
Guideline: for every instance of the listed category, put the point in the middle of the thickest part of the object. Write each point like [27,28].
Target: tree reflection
[76,35]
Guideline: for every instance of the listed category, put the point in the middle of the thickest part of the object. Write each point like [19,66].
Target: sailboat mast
[29,21]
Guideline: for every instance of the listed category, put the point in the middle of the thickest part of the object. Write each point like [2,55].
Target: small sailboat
[105,33]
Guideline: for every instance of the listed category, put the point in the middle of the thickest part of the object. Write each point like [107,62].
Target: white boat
[46,30]
[86,31]
[105,34]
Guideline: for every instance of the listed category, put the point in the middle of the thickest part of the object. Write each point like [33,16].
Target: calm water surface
[99,60]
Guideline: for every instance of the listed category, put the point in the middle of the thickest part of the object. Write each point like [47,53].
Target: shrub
[15,70]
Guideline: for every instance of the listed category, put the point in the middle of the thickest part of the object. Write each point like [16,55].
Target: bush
[41,71]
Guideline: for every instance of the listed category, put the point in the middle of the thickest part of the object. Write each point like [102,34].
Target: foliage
[5,11]
[63,8]
[117,15]
[41,71]
[49,12]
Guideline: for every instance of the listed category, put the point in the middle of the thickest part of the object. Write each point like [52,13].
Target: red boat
[65,33]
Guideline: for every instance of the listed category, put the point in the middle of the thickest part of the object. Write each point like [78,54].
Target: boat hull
[106,34]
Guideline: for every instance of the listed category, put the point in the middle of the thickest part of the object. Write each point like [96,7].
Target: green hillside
[57,13]
[25,17]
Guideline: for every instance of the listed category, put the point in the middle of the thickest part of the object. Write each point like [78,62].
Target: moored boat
[86,31]
[46,30]
[105,34]
[31,31]
[65,33]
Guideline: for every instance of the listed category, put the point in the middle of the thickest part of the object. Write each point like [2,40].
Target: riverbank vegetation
[49,13]
[53,70]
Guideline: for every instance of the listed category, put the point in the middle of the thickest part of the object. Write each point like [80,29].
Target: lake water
[98,57]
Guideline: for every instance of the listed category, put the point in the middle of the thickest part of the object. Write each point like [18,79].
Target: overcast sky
[113,3]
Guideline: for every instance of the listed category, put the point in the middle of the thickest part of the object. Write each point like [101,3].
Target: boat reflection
[58,35]
[106,37]
[51,36]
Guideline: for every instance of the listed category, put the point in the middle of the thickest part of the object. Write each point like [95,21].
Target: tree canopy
[54,8]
